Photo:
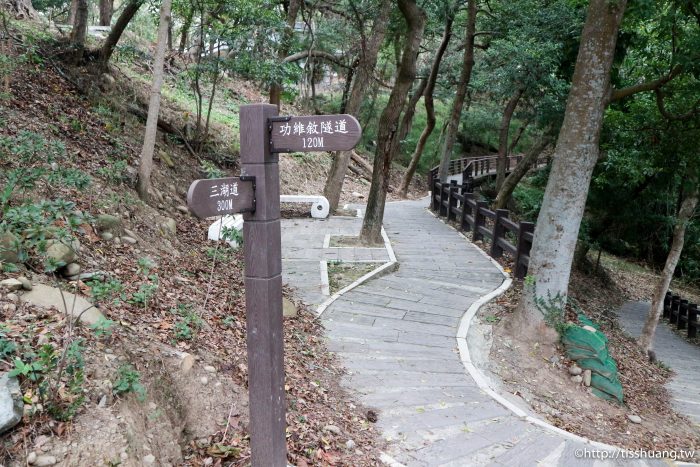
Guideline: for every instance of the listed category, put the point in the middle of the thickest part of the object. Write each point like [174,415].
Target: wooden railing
[475,166]
[681,313]
[458,203]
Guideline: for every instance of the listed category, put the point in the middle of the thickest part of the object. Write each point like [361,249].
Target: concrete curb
[481,380]
[385,268]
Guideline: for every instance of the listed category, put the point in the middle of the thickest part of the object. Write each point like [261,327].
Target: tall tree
[106,11]
[503,133]
[574,158]
[461,93]
[686,211]
[429,106]
[369,49]
[79,31]
[292,7]
[115,34]
[388,140]
[149,140]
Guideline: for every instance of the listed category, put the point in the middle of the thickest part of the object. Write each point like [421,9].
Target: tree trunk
[106,10]
[149,140]
[458,102]
[79,32]
[503,137]
[388,132]
[410,109]
[574,158]
[363,76]
[73,11]
[117,30]
[519,171]
[429,108]
[292,11]
[184,32]
[690,201]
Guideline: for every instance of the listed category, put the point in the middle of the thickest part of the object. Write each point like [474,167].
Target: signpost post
[256,194]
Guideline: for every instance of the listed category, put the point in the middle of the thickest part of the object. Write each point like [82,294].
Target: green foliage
[129,381]
[188,324]
[103,327]
[57,376]
[115,172]
[109,290]
[232,234]
[210,170]
[553,311]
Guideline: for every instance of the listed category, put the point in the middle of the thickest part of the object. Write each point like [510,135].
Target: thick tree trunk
[410,109]
[429,108]
[388,133]
[106,10]
[519,171]
[690,201]
[503,137]
[292,11]
[361,81]
[574,158]
[185,31]
[149,140]
[458,102]
[79,31]
[20,9]
[73,11]
[117,30]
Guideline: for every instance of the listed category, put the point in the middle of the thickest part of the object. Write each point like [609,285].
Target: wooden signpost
[256,194]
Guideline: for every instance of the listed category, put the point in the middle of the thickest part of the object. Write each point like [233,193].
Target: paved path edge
[480,379]
[385,268]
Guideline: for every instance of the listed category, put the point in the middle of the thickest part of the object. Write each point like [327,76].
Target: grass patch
[340,275]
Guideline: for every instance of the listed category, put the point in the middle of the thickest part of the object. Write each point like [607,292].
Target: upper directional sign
[220,196]
[314,133]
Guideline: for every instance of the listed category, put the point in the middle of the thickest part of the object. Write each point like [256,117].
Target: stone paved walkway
[670,348]
[396,336]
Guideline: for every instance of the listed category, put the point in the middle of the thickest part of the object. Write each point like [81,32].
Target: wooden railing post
[498,232]
[692,320]
[466,210]
[479,220]
[682,314]
[675,303]
[452,200]
[523,249]
[444,192]
[667,305]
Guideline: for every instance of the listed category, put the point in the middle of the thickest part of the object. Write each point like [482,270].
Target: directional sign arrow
[221,196]
[314,133]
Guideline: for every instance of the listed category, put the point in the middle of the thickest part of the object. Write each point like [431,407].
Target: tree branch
[618,94]
[669,116]
[315,54]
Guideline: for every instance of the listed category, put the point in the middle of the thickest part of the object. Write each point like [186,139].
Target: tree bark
[574,158]
[503,137]
[410,109]
[429,108]
[458,102]
[79,31]
[185,31]
[106,10]
[388,132]
[362,79]
[690,201]
[117,30]
[520,170]
[73,11]
[143,184]
[292,11]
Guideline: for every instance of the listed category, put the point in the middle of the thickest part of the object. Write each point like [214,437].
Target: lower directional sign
[220,196]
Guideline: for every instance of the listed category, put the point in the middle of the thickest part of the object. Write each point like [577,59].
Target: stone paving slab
[682,356]
[396,335]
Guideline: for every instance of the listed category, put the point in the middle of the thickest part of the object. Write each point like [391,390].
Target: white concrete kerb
[481,380]
[386,267]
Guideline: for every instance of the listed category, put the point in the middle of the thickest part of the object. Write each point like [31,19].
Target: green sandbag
[603,395]
[577,353]
[583,319]
[606,368]
[575,336]
[610,386]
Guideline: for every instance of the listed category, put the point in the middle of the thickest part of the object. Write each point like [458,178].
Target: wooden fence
[682,314]
[458,203]
[475,166]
